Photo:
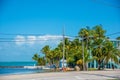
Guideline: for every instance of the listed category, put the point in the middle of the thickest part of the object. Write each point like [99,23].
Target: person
[54,66]
[112,66]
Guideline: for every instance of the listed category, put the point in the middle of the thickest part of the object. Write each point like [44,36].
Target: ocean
[8,71]
[17,63]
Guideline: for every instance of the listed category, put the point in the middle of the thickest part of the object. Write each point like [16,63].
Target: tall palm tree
[118,38]
[46,50]
[75,51]
[57,56]
[67,47]
[97,46]
[85,34]
[110,52]
[38,59]
[35,57]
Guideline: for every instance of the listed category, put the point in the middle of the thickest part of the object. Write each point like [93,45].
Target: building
[62,64]
[109,65]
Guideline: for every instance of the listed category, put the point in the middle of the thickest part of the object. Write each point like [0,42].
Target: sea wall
[11,66]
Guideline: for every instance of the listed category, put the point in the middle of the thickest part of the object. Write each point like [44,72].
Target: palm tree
[57,56]
[35,57]
[85,34]
[99,32]
[75,52]
[38,59]
[110,52]
[67,47]
[97,46]
[118,38]
[46,50]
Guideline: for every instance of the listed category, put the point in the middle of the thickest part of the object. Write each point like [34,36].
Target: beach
[73,75]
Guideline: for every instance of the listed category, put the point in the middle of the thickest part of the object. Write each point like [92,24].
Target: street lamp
[83,53]
[82,50]
[63,48]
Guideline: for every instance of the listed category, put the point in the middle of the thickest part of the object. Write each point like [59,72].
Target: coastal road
[80,75]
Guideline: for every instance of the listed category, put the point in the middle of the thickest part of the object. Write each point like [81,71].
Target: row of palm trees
[92,44]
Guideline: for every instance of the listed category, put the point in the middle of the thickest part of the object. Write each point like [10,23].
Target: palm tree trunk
[99,64]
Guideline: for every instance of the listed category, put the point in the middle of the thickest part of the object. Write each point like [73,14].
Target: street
[75,75]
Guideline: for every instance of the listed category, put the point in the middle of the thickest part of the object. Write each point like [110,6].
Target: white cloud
[50,37]
[31,39]
[19,40]
[54,39]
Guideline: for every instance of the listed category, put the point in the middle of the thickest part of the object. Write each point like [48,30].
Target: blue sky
[47,17]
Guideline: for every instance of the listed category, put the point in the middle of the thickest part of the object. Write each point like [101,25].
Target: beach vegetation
[40,60]
[90,44]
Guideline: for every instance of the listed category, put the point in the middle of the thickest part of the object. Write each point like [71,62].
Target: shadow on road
[116,76]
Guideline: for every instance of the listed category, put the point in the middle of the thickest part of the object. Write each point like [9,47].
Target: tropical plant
[118,38]
[97,46]
[110,52]
[85,34]
[92,44]
[38,59]
[46,50]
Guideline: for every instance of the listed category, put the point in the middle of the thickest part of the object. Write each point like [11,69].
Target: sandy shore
[75,75]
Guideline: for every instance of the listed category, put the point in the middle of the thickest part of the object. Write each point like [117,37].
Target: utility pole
[63,47]
[83,53]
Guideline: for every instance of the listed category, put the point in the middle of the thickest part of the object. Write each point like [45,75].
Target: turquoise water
[7,71]
[17,63]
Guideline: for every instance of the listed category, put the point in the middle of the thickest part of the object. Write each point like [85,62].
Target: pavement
[74,75]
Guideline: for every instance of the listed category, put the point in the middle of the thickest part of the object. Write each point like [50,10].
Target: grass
[92,69]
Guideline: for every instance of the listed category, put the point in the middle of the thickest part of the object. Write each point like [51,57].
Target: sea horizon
[18,63]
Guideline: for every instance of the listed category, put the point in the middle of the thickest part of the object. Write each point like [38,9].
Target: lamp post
[83,53]
[63,48]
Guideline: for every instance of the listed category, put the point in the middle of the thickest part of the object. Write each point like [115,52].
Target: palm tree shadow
[116,77]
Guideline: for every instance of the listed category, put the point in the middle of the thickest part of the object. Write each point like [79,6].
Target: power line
[113,34]
[25,41]
[19,34]
[31,39]
[106,35]
[45,34]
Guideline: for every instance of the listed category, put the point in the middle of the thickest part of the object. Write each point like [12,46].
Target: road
[80,75]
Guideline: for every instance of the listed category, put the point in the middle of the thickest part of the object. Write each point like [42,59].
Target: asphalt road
[80,75]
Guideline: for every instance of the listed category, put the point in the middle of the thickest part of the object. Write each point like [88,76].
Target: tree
[118,38]
[97,47]
[85,34]
[38,59]
[110,52]
[74,52]
[46,50]
[93,41]
[57,56]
